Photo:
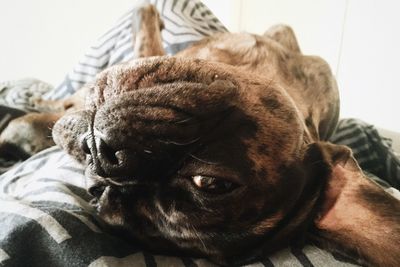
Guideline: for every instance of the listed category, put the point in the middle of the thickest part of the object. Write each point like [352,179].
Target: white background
[360,39]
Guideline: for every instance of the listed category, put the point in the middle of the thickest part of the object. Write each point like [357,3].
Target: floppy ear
[356,216]
[284,35]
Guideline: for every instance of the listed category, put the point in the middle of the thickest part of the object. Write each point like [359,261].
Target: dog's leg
[72,103]
[356,215]
[27,135]
[31,133]
[319,95]
[147,26]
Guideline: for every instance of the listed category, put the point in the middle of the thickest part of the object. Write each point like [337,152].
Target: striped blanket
[45,216]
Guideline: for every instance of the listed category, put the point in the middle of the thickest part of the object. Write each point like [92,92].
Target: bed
[45,215]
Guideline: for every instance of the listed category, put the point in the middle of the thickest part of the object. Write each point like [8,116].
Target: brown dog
[218,152]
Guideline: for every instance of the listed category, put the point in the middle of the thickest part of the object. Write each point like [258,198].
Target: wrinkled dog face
[191,156]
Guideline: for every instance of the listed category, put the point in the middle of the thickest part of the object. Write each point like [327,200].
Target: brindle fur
[242,107]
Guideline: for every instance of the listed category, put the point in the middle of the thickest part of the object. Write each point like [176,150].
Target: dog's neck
[361,217]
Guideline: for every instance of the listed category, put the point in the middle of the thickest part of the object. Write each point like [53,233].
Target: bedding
[22,94]
[45,215]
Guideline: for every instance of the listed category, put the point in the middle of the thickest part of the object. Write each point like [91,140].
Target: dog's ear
[284,35]
[355,215]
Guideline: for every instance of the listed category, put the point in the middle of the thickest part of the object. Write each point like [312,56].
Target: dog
[220,151]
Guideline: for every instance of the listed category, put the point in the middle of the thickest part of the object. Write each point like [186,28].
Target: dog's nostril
[97,190]
[84,145]
[102,157]
[106,153]
[98,148]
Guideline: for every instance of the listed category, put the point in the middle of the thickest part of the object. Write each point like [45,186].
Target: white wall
[369,70]
[45,38]
[359,38]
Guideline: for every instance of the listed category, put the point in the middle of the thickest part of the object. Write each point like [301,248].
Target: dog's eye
[212,185]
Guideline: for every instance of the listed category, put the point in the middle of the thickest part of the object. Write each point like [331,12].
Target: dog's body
[217,151]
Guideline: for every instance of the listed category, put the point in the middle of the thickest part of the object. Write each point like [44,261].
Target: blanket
[45,215]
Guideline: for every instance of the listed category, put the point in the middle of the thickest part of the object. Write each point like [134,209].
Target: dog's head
[188,155]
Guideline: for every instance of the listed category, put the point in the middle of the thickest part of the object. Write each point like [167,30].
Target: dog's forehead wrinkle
[165,130]
[191,98]
[118,114]
[158,71]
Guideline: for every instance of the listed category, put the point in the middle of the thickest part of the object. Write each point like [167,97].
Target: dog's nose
[106,160]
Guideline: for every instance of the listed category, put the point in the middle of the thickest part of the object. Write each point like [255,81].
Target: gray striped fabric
[45,218]
[372,151]
[22,94]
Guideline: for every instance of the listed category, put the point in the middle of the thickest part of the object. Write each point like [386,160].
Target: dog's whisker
[198,237]
[184,120]
[168,142]
[202,160]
